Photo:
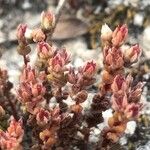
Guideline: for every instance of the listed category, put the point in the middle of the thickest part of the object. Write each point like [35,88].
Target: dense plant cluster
[48,108]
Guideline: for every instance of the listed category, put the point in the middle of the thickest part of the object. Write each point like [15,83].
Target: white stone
[145,41]
[123,140]
[131,126]
[96,131]
[138,19]
[106,115]
[78,62]
[69,101]
[14,76]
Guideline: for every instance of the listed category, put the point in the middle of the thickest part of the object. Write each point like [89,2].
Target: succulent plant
[64,125]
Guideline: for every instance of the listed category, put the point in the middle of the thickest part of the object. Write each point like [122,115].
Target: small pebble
[106,115]
[123,140]
[131,126]
[78,62]
[138,19]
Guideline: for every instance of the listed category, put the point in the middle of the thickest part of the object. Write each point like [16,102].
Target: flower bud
[57,63]
[113,59]
[106,33]
[38,35]
[24,92]
[47,20]
[89,69]
[119,102]
[38,89]
[64,55]
[129,80]
[31,75]
[55,115]
[8,142]
[15,129]
[119,35]
[28,74]
[42,116]
[131,55]
[21,32]
[31,90]
[119,84]
[25,96]
[44,50]
[136,92]
[71,76]
[132,110]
